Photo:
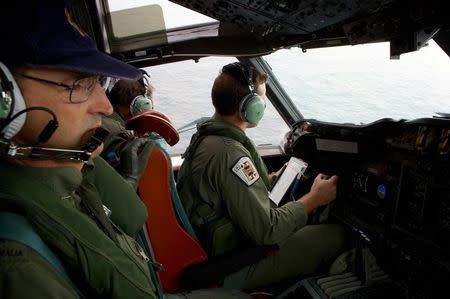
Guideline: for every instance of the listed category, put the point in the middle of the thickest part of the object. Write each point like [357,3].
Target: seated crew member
[223,184]
[52,177]
[128,97]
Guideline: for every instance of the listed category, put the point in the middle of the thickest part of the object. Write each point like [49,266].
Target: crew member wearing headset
[68,221]
[128,98]
[223,184]
[133,123]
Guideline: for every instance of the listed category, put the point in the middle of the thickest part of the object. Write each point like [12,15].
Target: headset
[252,105]
[143,102]
[12,118]
[11,103]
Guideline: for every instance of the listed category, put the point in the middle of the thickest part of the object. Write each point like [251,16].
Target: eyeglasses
[79,90]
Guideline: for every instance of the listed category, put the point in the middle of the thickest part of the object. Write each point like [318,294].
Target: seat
[154,121]
[174,247]
[185,263]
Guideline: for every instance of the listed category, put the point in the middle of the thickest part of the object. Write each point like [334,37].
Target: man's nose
[101,103]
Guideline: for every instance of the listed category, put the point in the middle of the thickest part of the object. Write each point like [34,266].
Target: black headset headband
[241,72]
[144,80]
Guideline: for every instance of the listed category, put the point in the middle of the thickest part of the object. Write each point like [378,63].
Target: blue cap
[43,34]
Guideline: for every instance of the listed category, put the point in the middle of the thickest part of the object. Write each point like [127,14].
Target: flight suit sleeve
[116,139]
[127,208]
[25,274]
[249,205]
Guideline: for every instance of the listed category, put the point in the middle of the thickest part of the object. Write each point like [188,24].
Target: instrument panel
[393,192]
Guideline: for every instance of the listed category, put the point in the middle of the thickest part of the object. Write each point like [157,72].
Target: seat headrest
[154,121]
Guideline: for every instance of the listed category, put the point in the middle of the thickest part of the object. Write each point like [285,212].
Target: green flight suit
[209,188]
[60,203]
[54,200]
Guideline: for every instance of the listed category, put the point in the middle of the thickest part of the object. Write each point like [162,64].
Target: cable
[10,120]
[48,130]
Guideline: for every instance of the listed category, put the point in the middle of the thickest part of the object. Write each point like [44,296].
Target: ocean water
[351,84]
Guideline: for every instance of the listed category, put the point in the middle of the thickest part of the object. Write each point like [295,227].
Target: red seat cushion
[173,247]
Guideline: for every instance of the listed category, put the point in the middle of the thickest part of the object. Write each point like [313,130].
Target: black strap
[215,269]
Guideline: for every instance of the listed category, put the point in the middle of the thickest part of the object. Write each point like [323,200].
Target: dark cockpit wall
[242,28]
[442,38]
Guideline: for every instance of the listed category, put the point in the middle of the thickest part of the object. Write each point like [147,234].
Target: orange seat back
[173,247]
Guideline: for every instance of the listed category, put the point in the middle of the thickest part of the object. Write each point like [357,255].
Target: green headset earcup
[140,104]
[5,96]
[252,108]
[11,102]
[5,104]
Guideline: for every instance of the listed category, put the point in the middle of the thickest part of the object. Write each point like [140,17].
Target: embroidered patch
[246,171]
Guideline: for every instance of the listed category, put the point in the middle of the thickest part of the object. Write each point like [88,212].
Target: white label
[295,168]
[246,171]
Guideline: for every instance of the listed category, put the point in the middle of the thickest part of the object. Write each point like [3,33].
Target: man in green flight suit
[224,185]
[128,97]
[64,212]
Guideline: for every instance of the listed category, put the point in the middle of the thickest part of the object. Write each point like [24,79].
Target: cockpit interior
[394,175]
[393,194]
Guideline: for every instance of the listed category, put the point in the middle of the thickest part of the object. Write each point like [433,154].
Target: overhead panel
[284,16]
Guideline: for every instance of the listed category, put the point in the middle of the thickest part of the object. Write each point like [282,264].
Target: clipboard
[295,168]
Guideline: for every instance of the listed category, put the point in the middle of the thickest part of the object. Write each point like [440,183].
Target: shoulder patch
[246,171]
